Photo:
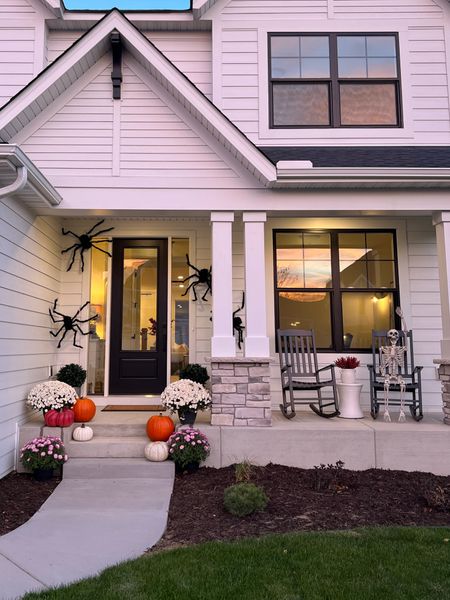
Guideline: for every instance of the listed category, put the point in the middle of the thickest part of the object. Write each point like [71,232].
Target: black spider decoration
[69,323]
[201,276]
[85,243]
[237,323]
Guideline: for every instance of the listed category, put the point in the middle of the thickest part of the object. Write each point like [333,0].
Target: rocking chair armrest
[417,369]
[285,368]
[325,368]
[371,368]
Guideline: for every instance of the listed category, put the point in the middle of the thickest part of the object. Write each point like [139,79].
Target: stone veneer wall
[240,389]
[444,376]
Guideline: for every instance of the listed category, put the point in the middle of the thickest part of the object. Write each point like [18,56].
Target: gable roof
[82,55]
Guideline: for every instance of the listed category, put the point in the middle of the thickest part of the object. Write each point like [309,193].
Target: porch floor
[304,441]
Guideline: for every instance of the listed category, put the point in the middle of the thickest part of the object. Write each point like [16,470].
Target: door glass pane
[381,274]
[96,342]
[301,104]
[139,311]
[362,312]
[307,310]
[380,246]
[368,104]
[180,309]
[289,255]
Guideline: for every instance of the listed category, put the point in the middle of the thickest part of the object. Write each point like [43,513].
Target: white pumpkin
[83,433]
[156,451]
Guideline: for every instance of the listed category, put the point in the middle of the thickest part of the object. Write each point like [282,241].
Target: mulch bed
[299,500]
[20,497]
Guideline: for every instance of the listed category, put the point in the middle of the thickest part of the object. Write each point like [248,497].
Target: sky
[127,4]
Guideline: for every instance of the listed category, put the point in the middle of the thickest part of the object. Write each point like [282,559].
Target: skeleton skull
[393,336]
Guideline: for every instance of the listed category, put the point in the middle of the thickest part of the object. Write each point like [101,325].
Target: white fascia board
[168,74]
[36,180]
[321,177]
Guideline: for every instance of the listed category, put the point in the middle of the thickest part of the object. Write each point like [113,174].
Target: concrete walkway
[114,513]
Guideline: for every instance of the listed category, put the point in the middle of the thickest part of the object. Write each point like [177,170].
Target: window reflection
[180,309]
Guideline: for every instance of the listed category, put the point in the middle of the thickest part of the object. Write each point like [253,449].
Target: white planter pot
[348,375]
[349,395]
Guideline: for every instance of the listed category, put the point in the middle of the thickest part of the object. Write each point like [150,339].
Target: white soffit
[37,192]
[82,55]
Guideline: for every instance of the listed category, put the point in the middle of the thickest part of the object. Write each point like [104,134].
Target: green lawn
[366,564]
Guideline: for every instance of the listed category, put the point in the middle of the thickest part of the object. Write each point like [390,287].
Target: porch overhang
[303,174]
[20,177]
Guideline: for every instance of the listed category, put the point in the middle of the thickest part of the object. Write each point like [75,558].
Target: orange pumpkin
[159,428]
[84,410]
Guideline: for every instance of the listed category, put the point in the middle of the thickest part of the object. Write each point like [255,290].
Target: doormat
[133,408]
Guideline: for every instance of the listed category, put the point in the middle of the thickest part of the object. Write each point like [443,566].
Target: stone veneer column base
[240,389]
[444,376]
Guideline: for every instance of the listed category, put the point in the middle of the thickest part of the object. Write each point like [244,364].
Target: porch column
[222,341]
[441,221]
[256,343]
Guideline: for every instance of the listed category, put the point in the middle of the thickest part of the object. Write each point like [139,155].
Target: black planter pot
[187,416]
[190,468]
[43,474]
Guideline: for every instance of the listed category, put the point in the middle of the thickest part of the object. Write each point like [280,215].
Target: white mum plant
[185,394]
[49,395]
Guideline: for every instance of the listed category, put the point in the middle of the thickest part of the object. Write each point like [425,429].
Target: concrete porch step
[117,468]
[108,447]
[116,430]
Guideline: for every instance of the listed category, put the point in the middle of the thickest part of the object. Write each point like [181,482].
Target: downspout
[17,185]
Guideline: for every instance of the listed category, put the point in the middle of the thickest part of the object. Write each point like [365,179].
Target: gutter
[27,175]
[304,174]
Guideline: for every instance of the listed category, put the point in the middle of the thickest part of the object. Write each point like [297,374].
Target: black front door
[138,360]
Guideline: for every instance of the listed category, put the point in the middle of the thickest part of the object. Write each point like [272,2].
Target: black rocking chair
[300,372]
[411,375]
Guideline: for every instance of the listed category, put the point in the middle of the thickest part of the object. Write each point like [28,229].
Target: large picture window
[334,80]
[342,284]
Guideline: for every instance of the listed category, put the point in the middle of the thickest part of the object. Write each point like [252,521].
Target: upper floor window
[334,80]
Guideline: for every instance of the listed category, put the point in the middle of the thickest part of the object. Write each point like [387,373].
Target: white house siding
[78,138]
[16,55]
[29,282]
[419,296]
[189,51]
[241,75]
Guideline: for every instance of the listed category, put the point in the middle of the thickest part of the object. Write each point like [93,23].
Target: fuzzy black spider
[85,243]
[237,322]
[201,276]
[69,323]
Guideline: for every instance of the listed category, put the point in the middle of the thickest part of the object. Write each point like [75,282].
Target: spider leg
[208,289]
[95,317]
[73,257]
[82,260]
[80,309]
[58,332]
[191,265]
[188,288]
[60,341]
[70,248]
[75,340]
[103,231]
[68,231]
[101,249]
[94,226]
[81,331]
[194,285]
[190,277]
[50,310]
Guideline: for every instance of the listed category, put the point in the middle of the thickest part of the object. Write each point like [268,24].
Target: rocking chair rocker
[300,372]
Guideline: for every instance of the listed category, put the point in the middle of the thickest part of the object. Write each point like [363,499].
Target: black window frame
[334,81]
[336,291]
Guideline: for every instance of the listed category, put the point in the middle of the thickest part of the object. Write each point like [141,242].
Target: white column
[256,340]
[222,342]
[441,221]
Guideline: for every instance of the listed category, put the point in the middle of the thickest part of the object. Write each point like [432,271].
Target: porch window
[342,284]
[334,80]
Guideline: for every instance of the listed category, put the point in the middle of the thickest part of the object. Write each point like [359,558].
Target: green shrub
[195,372]
[72,374]
[243,499]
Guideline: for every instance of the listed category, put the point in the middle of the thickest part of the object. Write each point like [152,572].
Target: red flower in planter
[347,362]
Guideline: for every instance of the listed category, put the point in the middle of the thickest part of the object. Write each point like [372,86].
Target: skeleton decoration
[69,323]
[392,363]
[200,277]
[85,243]
[237,323]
